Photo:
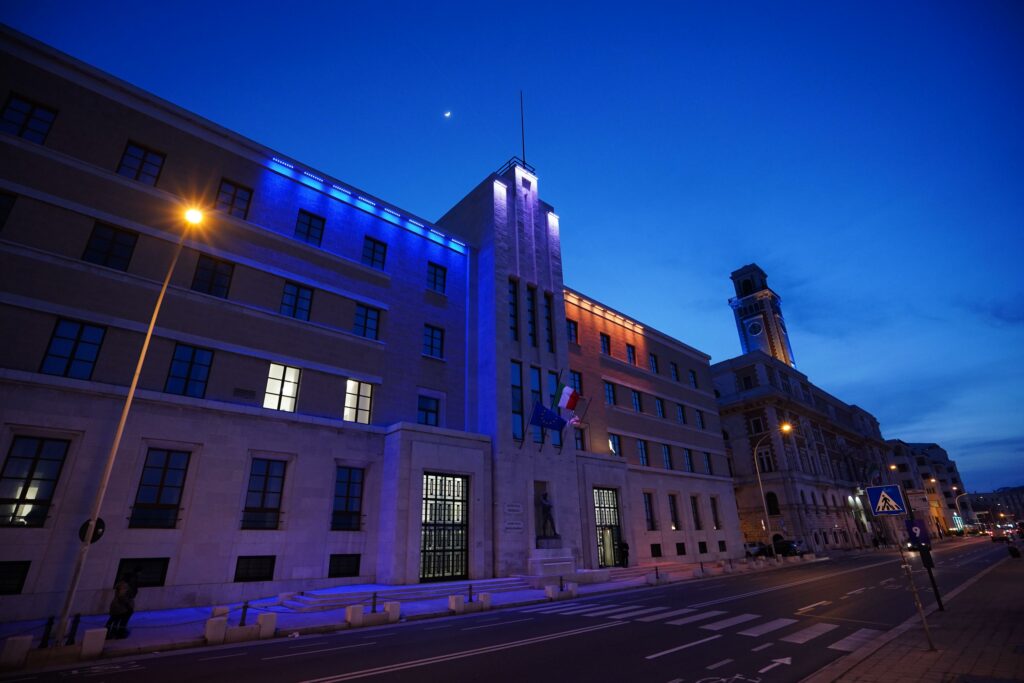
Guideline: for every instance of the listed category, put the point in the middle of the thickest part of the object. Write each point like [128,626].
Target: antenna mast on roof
[522,125]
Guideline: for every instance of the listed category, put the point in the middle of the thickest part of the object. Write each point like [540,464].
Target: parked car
[753,548]
[782,548]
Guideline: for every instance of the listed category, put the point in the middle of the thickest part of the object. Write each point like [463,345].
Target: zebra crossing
[786,630]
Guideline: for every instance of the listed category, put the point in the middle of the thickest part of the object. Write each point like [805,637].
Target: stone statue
[546,516]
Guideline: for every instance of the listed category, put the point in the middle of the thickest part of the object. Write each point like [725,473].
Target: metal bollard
[470,592]
[373,603]
[47,630]
[561,583]
[74,629]
[657,574]
[245,609]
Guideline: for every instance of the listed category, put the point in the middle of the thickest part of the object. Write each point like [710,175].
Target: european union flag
[546,418]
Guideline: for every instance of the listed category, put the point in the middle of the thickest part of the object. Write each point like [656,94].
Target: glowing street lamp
[785,428]
[193,218]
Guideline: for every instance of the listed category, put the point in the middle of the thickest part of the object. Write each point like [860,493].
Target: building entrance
[609,535]
[443,539]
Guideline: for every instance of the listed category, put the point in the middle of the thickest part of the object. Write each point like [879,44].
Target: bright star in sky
[447,114]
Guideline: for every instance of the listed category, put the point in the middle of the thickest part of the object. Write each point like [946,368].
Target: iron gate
[444,548]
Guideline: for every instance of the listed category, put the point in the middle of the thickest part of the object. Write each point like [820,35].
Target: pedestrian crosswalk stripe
[809,633]
[696,617]
[636,613]
[767,627]
[732,621]
[579,609]
[666,615]
[854,640]
[606,612]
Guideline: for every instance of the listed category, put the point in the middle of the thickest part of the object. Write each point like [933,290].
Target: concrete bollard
[215,630]
[394,611]
[572,588]
[15,651]
[485,601]
[93,641]
[354,615]
[457,603]
[267,623]
[218,611]
[551,592]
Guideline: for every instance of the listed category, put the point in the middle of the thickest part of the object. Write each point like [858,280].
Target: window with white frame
[282,388]
[358,401]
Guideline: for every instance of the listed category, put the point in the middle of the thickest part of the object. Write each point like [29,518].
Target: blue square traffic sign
[886,500]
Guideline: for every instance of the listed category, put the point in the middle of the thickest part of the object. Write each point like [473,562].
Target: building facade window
[234,199]
[609,393]
[263,498]
[150,572]
[700,419]
[666,456]
[771,501]
[367,322]
[374,253]
[641,451]
[693,379]
[659,407]
[553,387]
[73,349]
[27,119]
[698,525]
[516,379]
[673,371]
[638,401]
[189,372]
[213,276]
[343,565]
[282,388]
[296,301]
[535,395]
[358,401]
[680,413]
[708,467]
[254,568]
[140,163]
[531,315]
[572,330]
[579,437]
[348,499]
[28,479]
[309,228]
[715,520]
[6,206]
[433,341]
[437,278]
[576,381]
[428,410]
[630,354]
[615,444]
[158,500]
[111,247]
[606,344]
[513,309]
[649,519]
[688,460]
[680,548]
[12,576]
[652,362]
[673,513]
[549,323]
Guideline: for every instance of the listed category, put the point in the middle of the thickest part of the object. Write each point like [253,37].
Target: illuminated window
[641,451]
[374,253]
[348,499]
[140,163]
[28,479]
[190,370]
[233,199]
[309,228]
[296,301]
[428,410]
[263,498]
[158,499]
[358,401]
[109,246]
[282,388]
[631,354]
[366,322]
[437,278]
[213,276]
[518,423]
[27,119]
[73,349]
[433,341]
[615,444]
[572,330]
[673,514]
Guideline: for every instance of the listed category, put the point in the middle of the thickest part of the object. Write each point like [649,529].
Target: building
[337,390]
[933,484]
[1004,506]
[813,476]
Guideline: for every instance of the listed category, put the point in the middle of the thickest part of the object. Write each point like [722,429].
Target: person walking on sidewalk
[122,605]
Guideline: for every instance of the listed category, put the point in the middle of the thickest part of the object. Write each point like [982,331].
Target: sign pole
[917,599]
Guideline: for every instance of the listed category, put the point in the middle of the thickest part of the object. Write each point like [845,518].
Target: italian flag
[567,398]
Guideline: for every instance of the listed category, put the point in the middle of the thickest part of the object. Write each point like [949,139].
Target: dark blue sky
[870,157]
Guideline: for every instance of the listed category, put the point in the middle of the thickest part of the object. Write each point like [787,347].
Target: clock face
[754,328]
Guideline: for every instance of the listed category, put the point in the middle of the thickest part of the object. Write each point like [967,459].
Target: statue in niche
[547,517]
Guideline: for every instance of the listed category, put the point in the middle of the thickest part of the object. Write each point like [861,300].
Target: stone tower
[758,312]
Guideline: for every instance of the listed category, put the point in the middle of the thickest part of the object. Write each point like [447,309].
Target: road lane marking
[582,610]
[438,628]
[636,613]
[311,652]
[666,615]
[809,633]
[768,627]
[855,640]
[682,647]
[696,617]
[714,666]
[817,604]
[390,668]
[604,612]
[500,623]
[731,621]
[237,654]
[761,647]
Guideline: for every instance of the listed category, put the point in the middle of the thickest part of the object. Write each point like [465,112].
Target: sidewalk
[979,638]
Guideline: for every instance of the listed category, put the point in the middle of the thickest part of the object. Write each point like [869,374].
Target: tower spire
[758,313]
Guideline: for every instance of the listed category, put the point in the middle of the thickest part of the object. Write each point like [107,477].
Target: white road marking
[855,640]
[681,647]
[732,621]
[438,628]
[809,633]
[761,647]
[666,615]
[714,666]
[636,613]
[310,652]
[817,604]
[237,654]
[500,623]
[696,617]
[767,627]
[605,612]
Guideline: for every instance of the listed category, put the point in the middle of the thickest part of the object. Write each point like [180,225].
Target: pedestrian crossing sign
[886,500]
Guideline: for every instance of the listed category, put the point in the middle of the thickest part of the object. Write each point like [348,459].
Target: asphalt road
[774,626]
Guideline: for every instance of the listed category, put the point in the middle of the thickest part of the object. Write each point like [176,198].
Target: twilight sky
[870,157]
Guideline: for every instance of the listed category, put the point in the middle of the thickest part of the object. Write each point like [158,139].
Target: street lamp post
[193,217]
[956,502]
[785,428]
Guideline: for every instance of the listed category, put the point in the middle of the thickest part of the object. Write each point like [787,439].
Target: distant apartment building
[813,476]
[337,390]
[933,484]
[1002,506]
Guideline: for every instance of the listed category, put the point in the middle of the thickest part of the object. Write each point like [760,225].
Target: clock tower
[758,312]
